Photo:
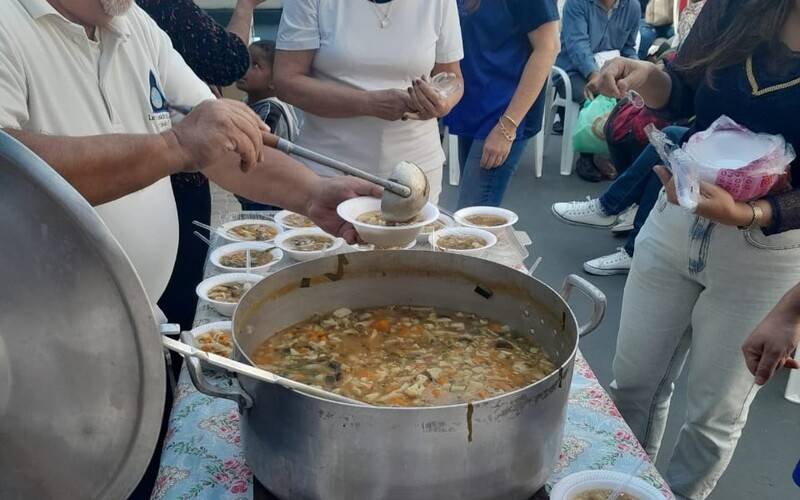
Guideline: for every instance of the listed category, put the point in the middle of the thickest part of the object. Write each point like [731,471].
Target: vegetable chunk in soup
[405,356]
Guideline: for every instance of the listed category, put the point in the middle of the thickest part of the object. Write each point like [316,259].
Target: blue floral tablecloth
[202,455]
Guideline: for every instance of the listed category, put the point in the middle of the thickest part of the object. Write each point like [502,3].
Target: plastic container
[224,250]
[489,238]
[303,256]
[224,308]
[580,482]
[383,236]
[511,218]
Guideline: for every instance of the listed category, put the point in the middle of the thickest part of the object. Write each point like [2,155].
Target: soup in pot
[405,356]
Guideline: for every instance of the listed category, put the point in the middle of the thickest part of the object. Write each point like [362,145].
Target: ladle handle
[189,351]
[273,141]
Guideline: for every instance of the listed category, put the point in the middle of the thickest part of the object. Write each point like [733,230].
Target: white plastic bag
[746,164]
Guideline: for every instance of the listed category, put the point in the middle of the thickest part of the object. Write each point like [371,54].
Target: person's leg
[629,187]
[653,335]
[578,86]
[648,36]
[483,187]
[193,199]
[464,146]
[743,283]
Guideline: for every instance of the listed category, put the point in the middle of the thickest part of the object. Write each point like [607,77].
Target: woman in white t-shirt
[354,68]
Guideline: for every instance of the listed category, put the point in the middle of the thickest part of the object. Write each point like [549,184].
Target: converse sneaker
[625,220]
[616,263]
[584,213]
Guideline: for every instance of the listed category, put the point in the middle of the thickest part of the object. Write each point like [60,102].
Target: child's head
[258,79]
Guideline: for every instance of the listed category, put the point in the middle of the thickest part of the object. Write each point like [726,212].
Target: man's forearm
[276,180]
[104,168]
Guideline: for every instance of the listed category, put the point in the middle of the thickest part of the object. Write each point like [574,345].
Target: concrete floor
[770,447]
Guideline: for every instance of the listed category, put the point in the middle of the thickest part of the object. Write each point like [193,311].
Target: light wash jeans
[695,291]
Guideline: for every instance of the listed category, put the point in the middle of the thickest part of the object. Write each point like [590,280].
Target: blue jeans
[649,34]
[638,184]
[478,185]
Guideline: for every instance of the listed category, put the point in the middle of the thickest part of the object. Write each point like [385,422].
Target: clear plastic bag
[746,164]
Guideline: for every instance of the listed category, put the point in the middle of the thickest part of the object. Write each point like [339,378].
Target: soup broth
[486,220]
[309,243]
[252,232]
[239,258]
[405,356]
[375,218]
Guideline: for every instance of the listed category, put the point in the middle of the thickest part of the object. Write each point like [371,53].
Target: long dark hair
[472,5]
[726,34]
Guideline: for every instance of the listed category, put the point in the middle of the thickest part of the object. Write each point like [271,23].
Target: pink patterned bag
[746,164]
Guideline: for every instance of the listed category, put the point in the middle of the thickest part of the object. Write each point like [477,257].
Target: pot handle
[594,294]
[235,393]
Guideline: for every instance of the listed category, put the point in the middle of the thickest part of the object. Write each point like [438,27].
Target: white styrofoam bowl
[214,325]
[223,229]
[443,218]
[281,216]
[489,238]
[383,236]
[301,256]
[581,482]
[510,216]
[220,252]
[224,308]
[369,248]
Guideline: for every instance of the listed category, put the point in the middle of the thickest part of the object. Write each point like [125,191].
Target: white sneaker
[616,263]
[584,213]
[625,220]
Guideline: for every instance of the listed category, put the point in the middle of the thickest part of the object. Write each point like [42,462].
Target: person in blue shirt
[593,27]
[509,47]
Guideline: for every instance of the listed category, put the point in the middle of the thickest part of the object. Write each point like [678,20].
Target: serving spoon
[406,190]
[253,372]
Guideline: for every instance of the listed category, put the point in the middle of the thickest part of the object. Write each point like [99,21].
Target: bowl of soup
[215,338]
[364,213]
[224,291]
[492,219]
[308,244]
[291,220]
[600,484]
[442,222]
[463,240]
[249,230]
[232,258]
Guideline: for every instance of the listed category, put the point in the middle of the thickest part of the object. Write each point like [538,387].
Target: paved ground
[770,447]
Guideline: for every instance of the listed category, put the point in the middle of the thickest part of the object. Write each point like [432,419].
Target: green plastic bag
[588,136]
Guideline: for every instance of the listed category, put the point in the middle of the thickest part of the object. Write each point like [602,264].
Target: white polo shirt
[54,80]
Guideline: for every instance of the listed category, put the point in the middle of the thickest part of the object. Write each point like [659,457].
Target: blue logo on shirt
[157,101]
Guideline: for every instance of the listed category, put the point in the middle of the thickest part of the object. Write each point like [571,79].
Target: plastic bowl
[444,219]
[383,236]
[581,482]
[224,228]
[489,238]
[215,325]
[303,256]
[281,216]
[729,160]
[220,252]
[224,308]
[511,218]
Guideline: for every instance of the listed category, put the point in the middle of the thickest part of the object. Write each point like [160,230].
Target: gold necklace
[758,91]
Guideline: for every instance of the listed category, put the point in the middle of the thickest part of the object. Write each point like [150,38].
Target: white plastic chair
[571,110]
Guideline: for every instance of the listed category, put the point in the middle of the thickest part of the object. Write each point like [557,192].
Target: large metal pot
[304,447]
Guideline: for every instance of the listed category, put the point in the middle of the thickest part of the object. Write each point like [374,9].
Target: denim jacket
[587,28]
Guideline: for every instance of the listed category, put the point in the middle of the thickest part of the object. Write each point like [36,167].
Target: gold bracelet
[513,122]
[508,135]
[758,213]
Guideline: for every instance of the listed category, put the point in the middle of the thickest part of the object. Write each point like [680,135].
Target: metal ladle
[405,192]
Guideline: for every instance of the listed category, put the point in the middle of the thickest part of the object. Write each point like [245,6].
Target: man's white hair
[116,7]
